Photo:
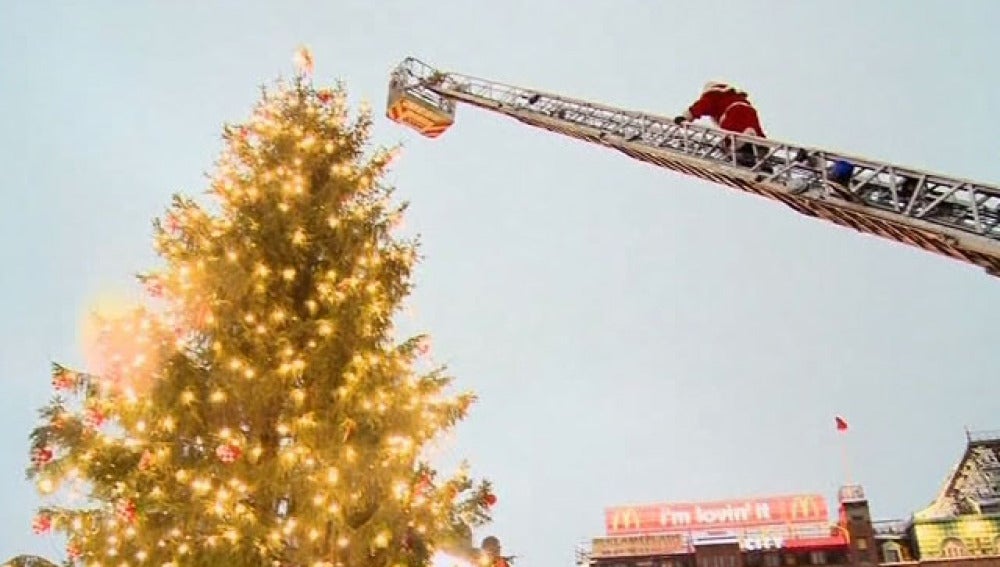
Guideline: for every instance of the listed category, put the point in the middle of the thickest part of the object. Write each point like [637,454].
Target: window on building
[861,543]
[953,547]
[990,508]
[790,559]
[892,552]
[839,557]
[772,560]
[817,557]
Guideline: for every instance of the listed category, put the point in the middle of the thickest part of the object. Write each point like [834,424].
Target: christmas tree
[259,410]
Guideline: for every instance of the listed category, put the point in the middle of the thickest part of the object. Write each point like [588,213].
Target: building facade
[960,528]
[962,525]
[776,531]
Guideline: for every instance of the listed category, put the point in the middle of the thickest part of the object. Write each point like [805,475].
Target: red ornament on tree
[228,453]
[423,346]
[172,222]
[41,456]
[126,511]
[41,524]
[424,485]
[94,417]
[490,499]
[146,461]
[154,288]
[324,96]
[73,552]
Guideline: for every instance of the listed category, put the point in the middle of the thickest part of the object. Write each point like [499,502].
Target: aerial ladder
[953,217]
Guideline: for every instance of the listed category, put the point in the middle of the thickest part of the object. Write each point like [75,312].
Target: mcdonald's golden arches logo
[625,519]
[805,507]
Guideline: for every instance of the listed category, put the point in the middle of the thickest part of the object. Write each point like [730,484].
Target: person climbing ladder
[730,109]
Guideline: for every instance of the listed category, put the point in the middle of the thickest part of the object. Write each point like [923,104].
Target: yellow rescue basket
[429,117]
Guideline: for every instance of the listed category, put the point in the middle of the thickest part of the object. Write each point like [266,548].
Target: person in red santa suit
[730,110]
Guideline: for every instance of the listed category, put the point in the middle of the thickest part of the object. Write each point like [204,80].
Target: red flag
[841,423]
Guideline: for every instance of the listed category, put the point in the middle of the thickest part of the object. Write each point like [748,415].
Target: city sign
[763,543]
[718,515]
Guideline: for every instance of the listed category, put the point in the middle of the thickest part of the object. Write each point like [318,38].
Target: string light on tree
[265,413]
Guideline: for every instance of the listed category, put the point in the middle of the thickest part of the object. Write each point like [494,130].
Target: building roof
[973,486]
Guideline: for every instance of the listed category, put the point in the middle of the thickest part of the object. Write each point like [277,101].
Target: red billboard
[719,515]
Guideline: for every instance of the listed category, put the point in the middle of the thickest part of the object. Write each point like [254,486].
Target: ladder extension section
[953,217]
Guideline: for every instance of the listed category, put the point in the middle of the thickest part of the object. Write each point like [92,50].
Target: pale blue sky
[634,335]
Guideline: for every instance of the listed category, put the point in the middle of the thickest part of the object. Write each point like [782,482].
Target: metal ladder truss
[953,217]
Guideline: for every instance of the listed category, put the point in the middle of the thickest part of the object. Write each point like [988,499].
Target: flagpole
[842,428]
[843,458]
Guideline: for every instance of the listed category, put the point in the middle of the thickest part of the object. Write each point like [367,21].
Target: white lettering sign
[707,515]
[728,514]
[763,543]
